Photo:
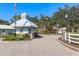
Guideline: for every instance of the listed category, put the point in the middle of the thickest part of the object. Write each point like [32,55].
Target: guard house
[24,26]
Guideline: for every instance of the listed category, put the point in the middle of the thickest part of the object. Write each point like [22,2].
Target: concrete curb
[69,46]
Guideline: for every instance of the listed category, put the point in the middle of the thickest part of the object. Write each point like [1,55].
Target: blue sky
[32,9]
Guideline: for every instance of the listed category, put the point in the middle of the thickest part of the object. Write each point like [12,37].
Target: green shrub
[45,32]
[23,36]
[54,30]
[26,37]
[17,37]
[20,37]
[10,38]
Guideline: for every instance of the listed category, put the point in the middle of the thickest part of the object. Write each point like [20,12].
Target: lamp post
[15,16]
[66,17]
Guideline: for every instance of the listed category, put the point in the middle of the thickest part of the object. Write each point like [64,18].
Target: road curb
[69,46]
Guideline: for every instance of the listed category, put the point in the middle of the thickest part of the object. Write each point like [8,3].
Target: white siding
[22,30]
[17,30]
[26,30]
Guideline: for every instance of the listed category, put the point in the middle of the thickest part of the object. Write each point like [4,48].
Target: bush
[26,37]
[20,37]
[44,32]
[10,38]
[17,37]
[48,31]
[54,30]
[23,36]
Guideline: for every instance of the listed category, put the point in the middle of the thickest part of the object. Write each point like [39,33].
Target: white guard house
[24,26]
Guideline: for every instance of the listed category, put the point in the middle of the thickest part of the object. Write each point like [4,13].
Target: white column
[65,37]
[69,38]
[32,33]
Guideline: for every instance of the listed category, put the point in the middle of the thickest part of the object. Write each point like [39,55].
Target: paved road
[45,46]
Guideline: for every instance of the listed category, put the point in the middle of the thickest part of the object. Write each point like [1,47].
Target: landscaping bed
[18,37]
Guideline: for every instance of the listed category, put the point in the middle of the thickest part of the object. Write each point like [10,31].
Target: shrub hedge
[16,37]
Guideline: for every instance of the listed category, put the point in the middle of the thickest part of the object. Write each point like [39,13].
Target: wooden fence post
[69,37]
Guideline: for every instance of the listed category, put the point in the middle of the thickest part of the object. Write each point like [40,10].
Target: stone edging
[69,46]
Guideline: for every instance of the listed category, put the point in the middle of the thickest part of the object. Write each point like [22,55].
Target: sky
[32,9]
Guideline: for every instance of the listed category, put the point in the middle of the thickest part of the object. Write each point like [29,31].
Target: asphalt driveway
[44,46]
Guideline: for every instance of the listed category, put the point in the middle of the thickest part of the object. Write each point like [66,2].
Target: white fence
[69,37]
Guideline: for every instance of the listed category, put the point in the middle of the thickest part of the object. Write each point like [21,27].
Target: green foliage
[48,31]
[15,18]
[23,36]
[17,37]
[34,19]
[20,37]
[45,24]
[10,38]
[4,22]
[54,31]
[44,32]
[71,22]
